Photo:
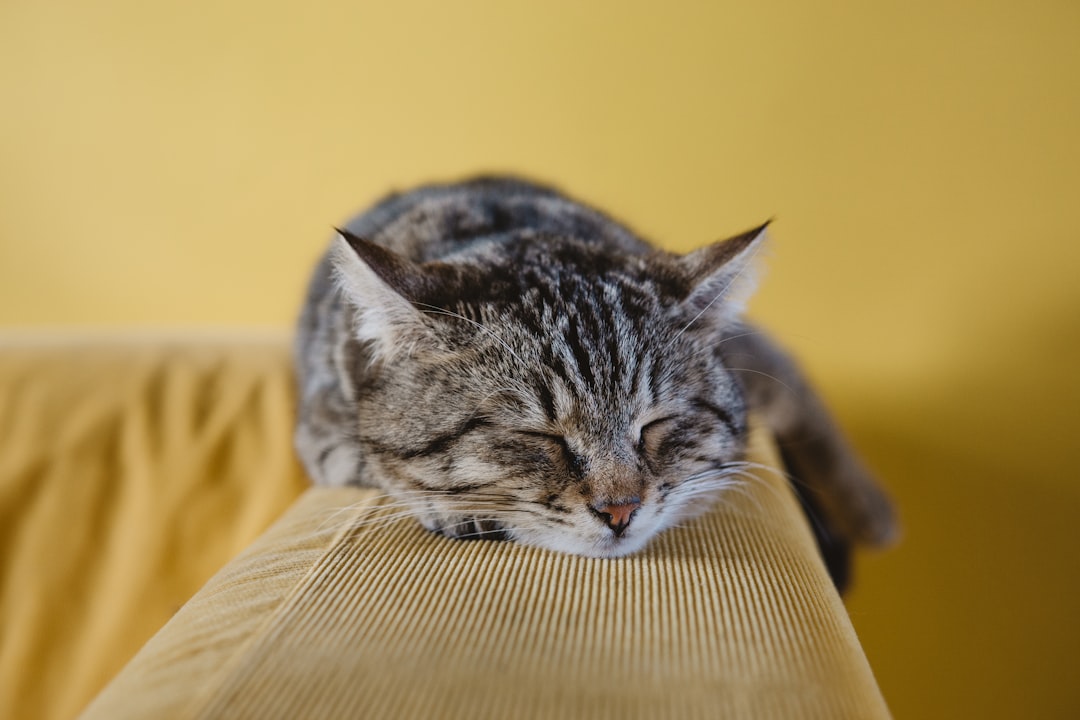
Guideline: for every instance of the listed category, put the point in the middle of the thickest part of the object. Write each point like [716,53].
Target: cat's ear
[382,286]
[722,276]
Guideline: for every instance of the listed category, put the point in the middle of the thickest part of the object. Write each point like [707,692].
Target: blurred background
[175,165]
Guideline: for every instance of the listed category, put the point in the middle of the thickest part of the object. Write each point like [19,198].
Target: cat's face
[529,399]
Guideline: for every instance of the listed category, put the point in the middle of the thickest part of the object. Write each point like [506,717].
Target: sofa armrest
[344,609]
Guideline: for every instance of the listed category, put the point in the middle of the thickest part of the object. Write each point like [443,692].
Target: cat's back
[437,221]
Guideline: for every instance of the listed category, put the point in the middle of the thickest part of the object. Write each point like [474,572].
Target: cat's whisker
[745,493]
[373,521]
[450,492]
[813,515]
[338,511]
[703,487]
[741,480]
[736,479]
[379,520]
[780,473]
[729,338]
[762,373]
[749,470]
[468,521]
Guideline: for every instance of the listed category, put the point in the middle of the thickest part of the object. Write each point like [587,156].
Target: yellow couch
[132,468]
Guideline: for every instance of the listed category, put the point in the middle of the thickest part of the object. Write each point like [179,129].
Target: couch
[149,498]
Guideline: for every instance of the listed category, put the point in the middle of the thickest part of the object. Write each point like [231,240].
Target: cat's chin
[605,547]
[585,544]
[602,547]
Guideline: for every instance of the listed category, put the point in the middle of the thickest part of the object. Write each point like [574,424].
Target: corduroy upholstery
[125,461]
[346,609]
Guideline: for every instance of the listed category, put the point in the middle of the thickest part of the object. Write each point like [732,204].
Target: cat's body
[507,362]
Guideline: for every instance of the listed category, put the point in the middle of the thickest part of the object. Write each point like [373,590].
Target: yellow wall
[181,164]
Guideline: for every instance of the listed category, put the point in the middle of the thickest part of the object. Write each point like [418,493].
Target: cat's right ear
[721,276]
[382,286]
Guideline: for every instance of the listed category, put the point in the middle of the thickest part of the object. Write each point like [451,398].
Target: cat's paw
[872,518]
[857,506]
[468,528]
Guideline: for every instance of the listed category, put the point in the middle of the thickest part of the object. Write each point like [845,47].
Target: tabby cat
[509,363]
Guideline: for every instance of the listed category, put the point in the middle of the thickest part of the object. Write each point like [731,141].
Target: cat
[509,363]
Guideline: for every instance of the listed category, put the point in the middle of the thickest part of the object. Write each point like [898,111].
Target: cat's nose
[616,516]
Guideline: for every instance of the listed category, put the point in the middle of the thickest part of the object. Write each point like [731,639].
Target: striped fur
[510,363]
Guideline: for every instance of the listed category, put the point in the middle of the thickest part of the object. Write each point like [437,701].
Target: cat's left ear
[721,276]
[384,288]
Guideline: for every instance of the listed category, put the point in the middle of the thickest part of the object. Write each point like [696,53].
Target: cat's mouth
[617,546]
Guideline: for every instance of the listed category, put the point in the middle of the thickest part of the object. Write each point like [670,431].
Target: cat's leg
[326,359]
[328,454]
[825,468]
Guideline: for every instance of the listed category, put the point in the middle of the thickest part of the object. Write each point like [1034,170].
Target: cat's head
[546,391]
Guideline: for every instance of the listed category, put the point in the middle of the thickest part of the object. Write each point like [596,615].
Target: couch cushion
[345,609]
[133,466]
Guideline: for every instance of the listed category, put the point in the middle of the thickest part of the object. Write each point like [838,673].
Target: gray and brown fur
[508,362]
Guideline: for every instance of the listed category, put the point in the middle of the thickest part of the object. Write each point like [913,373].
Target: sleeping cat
[509,363]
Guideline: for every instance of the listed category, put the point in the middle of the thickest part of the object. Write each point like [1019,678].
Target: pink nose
[616,516]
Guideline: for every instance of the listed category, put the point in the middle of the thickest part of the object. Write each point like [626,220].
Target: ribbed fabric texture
[344,609]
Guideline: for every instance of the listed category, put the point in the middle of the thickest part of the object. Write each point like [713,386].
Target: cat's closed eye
[558,447]
[652,434]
